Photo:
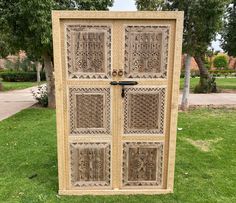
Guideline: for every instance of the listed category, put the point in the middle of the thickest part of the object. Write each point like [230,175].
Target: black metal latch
[123,83]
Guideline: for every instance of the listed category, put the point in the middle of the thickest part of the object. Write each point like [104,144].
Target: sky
[129,5]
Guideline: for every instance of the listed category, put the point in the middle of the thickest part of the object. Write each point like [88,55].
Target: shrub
[206,86]
[41,95]
[20,76]
[220,62]
[24,65]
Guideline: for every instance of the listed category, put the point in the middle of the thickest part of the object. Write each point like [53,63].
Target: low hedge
[216,73]
[230,71]
[20,76]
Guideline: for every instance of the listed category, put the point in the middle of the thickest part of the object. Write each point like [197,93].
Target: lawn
[17,85]
[205,164]
[222,83]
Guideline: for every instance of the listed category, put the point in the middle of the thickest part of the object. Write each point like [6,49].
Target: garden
[204,172]
[205,166]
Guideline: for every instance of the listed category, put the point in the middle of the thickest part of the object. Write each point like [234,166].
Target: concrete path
[216,99]
[14,101]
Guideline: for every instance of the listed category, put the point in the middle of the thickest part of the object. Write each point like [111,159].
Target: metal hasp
[123,83]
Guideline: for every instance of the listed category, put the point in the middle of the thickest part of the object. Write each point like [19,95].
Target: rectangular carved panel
[90,110]
[142,163]
[146,51]
[144,110]
[88,51]
[90,164]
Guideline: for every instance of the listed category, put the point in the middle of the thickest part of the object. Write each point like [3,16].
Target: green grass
[17,85]
[28,147]
[222,83]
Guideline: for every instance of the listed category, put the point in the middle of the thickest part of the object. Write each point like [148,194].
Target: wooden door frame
[57,18]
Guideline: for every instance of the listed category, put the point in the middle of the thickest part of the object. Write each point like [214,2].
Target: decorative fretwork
[90,164]
[90,110]
[146,51]
[144,110]
[142,163]
[88,51]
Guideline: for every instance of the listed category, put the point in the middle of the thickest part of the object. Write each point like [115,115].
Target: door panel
[88,51]
[144,110]
[90,111]
[142,164]
[90,164]
[88,61]
[146,51]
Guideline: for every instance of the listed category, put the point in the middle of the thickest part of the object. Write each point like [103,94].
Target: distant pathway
[14,101]
[216,99]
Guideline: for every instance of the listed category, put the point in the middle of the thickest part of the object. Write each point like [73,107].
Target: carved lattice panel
[146,51]
[90,110]
[144,110]
[88,51]
[142,163]
[90,164]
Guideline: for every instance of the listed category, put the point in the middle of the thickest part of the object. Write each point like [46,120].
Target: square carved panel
[144,110]
[90,111]
[142,163]
[90,164]
[146,51]
[88,51]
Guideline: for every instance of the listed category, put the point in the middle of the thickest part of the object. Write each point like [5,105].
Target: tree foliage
[149,5]
[228,40]
[202,21]
[220,62]
[27,24]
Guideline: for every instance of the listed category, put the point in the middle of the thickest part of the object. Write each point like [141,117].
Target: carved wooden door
[117,99]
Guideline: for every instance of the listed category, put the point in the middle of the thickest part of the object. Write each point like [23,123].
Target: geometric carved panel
[146,51]
[144,110]
[142,163]
[88,51]
[90,164]
[89,110]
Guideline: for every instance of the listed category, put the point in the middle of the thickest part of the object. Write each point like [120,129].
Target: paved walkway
[216,99]
[14,101]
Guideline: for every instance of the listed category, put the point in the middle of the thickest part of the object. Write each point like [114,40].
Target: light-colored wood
[115,192]
[174,101]
[174,20]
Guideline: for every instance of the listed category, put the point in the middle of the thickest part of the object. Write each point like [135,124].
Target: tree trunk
[1,87]
[185,97]
[206,84]
[38,69]
[50,80]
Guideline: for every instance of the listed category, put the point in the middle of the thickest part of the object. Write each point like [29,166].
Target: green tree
[202,21]
[27,26]
[220,62]
[149,5]
[228,40]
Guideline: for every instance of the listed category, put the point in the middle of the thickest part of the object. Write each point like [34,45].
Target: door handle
[123,83]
